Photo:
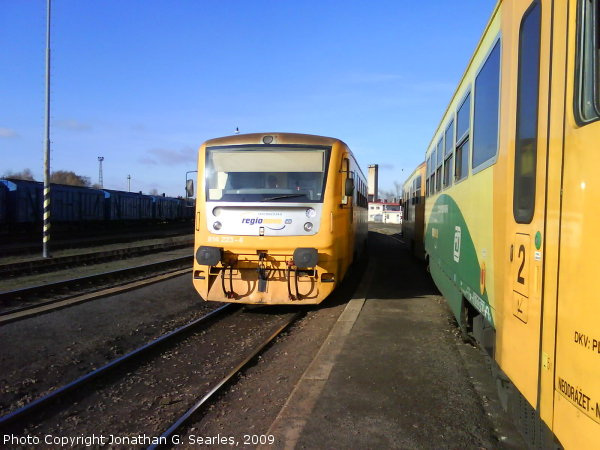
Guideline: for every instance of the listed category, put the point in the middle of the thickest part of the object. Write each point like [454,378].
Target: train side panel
[511,242]
[76,204]
[126,206]
[575,365]
[24,201]
[3,204]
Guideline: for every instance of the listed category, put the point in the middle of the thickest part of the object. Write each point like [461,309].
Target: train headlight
[208,256]
[217,225]
[310,213]
[308,226]
[306,257]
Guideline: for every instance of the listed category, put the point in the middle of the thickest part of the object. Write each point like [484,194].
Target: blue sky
[144,83]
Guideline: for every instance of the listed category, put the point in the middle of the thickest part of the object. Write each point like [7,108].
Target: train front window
[257,174]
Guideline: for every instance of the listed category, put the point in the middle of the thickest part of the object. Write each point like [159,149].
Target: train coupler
[263,272]
[230,294]
[291,264]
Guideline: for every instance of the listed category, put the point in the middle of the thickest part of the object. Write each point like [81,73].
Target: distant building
[385,212]
[373,181]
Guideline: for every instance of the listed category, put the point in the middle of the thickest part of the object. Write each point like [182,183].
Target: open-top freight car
[3,205]
[73,204]
[127,206]
[168,208]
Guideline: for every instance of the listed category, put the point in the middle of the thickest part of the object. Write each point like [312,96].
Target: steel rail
[102,237]
[46,306]
[225,381]
[20,268]
[59,392]
[32,290]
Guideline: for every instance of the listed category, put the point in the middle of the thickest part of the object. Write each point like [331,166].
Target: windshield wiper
[282,196]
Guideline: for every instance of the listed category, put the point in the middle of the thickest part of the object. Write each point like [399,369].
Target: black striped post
[46,231]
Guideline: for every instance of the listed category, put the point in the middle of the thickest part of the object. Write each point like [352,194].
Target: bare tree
[25,174]
[70,178]
[154,191]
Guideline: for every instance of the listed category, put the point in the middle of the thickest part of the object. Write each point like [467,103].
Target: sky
[144,83]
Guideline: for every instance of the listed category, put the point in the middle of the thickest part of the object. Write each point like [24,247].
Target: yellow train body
[270,195]
[511,229]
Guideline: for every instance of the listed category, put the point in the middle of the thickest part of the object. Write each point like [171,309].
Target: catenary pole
[46,231]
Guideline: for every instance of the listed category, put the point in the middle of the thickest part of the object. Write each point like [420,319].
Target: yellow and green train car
[512,212]
[280,217]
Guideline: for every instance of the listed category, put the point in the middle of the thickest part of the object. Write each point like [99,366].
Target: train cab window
[527,115]
[448,153]
[587,99]
[253,173]
[440,160]
[486,110]
[463,126]
[418,189]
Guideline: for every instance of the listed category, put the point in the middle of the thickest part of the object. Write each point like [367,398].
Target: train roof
[278,138]
[414,173]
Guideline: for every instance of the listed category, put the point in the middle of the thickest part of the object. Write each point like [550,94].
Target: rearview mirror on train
[349,187]
[189,188]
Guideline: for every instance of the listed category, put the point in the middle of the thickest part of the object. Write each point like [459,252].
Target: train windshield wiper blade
[282,196]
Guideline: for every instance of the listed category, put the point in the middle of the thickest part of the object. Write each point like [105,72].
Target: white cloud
[169,157]
[8,133]
[72,125]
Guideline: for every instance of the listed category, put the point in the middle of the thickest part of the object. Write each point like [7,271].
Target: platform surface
[394,371]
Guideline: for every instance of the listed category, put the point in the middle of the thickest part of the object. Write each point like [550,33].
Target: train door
[530,69]
[576,374]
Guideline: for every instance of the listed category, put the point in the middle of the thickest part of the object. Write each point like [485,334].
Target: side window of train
[345,175]
[587,77]
[448,153]
[432,173]
[527,115]
[486,110]
[427,176]
[440,160]
[463,127]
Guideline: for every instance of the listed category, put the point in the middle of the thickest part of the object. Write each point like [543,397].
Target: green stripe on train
[453,259]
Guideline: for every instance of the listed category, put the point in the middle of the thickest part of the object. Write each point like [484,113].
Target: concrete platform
[394,372]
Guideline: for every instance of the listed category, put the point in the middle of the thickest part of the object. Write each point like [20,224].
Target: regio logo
[457,243]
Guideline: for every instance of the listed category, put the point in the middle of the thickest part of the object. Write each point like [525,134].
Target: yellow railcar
[280,217]
[512,217]
[413,211]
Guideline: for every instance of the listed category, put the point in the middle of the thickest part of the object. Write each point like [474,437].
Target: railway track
[26,411]
[140,367]
[41,265]
[32,300]
[220,385]
[22,244]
